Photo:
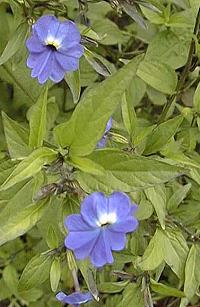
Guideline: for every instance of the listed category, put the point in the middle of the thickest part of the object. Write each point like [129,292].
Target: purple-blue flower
[75,298]
[54,48]
[102,142]
[100,227]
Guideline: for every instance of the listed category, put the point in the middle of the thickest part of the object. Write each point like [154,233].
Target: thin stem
[75,279]
[186,70]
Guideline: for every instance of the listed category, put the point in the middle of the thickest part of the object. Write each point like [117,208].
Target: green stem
[184,75]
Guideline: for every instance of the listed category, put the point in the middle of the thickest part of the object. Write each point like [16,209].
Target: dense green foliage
[141,65]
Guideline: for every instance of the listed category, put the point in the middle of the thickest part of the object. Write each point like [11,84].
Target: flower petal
[75,222]
[68,33]
[101,253]
[94,206]
[34,45]
[46,26]
[128,225]
[109,125]
[120,203]
[82,242]
[75,51]
[117,240]
[102,142]
[74,298]
[57,72]
[68,63]
[42,62]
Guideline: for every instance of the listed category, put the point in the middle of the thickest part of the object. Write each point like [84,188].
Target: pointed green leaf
[55,273]
[74,83]
[162,134]
[165,290]
[153,255]
[16,138]
[132,296]
[158,75]
[124,172]
[88,122]
[175,251]
[192,277]
[15,43]
[178,197]
[196,100]
[157,196]
[35,273]
[38,120]
[30,166]
[20,222]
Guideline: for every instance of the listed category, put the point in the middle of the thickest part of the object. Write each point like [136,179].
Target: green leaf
[184,19]
[35,273]
[74,83]
[169,246]
[167,47]
[20,222]
[192,277]
[175,251]
[158,75]
[113,287]
[153,255]
[156,97]
[196,100]
[52,238]
[30,166]
[5,292]
[145,210]
[38,120]
[109,32]
[21,198]
[31,295]
[153,17]
[165,290]
[129,115]
[157,196]
[97,63]
[132,297]
[11,278]
[88,122]
[26,89]
[125,172]
[6,168]
[132,11]
[178,197]
[16,138]
[15,43]
[136,91]
[55,273]
[162,134]
[87,165]
[89,275]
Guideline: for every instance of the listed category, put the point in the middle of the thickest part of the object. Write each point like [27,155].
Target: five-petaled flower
[54,48]
[75,298]
[102,142]
[101,227]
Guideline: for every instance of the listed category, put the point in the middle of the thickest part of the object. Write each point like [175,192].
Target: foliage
[140,66]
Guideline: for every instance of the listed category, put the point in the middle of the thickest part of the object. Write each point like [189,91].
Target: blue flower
[75,298]
[102,142]
[54,48]
[101,227]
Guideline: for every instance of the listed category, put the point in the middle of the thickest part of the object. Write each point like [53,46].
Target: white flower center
[109,218]
[52,41]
